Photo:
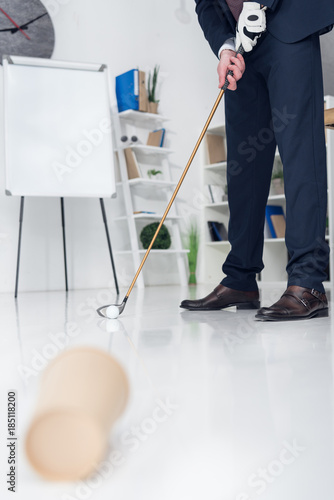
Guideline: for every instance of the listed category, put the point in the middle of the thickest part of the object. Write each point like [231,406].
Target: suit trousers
[278,102]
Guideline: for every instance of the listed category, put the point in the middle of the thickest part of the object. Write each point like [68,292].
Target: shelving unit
[275,255]
[145,194]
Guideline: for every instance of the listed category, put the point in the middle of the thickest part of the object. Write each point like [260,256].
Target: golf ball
[112,312]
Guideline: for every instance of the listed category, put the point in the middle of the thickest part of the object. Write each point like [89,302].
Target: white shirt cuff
[229,44]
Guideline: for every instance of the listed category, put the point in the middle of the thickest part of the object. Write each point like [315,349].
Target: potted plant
[153,172]
[191,243]
[151,90]
[163,240]
[277,181]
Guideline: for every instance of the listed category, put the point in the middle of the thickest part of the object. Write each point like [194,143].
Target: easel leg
[109,244]
[19,246]
[64,239]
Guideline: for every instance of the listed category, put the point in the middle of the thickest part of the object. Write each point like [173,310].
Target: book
[143,212]
[131,91]
[215,146]
[279,225]
[156,138]
[131,164]
[211,193]
[276,220]
[216,193]
[217,231]
[143,97]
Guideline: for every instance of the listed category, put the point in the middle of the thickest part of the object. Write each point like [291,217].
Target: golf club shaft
[221,93]
[205,128]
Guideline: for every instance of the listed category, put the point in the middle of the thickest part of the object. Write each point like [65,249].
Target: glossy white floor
[245,408]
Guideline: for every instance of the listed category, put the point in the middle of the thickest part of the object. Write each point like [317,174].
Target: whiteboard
[58,134]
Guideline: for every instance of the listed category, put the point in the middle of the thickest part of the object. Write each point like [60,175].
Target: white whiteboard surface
[58,137]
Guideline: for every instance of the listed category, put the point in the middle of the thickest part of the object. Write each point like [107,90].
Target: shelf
[149,189]
[215,167]
[149,183]
[168,250]
[217,129]
[274,249]
[148,216]
[220,204]
[223,204]
[222,243]
[217,243]
[147,194]
[274,240]
[276,197]
[141,117]
[150,150]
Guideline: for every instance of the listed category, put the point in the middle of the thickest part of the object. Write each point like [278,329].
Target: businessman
[275,97]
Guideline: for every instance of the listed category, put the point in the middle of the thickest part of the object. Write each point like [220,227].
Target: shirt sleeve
[228,45]
[212,17]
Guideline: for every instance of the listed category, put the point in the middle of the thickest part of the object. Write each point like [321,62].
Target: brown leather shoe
[223,297]
[296,303]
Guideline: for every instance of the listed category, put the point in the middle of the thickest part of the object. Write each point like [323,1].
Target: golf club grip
[241,51]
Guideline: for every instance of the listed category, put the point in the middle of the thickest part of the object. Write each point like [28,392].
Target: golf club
[117,309]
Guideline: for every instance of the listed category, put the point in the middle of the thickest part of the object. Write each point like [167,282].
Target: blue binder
[163,131]
[273,210]
[127,90]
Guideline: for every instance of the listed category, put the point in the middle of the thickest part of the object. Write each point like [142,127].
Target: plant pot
[278,186]
[153,107]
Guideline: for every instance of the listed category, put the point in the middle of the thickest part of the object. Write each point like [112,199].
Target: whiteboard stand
[58,135]
[64,240]
[62,208]
[19,246]
[104,216]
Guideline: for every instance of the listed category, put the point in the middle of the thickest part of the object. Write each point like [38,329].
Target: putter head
[102,310]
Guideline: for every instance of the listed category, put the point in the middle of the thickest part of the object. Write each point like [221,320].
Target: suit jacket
[287,20]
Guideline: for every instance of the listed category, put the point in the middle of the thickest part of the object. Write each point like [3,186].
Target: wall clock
[26,29]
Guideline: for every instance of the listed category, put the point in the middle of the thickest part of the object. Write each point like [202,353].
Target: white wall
[123,34]
[327,44]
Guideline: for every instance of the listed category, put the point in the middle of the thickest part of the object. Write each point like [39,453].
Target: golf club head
[102,310]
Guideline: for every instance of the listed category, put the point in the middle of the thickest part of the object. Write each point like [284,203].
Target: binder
[279,225]
[215,148]
[276,220]
[131,91]
[131,164]
[217,231]
[156,138]
[143,99]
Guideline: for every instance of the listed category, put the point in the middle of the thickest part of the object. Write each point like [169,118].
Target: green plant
[191,243]
[278,174]
[153,172]
[163,239]
[152,84]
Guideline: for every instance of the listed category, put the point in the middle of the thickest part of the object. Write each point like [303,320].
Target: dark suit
[287,20]
[279,101]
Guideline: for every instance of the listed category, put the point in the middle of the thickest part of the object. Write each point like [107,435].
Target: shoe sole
[322,313]
[239,305]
